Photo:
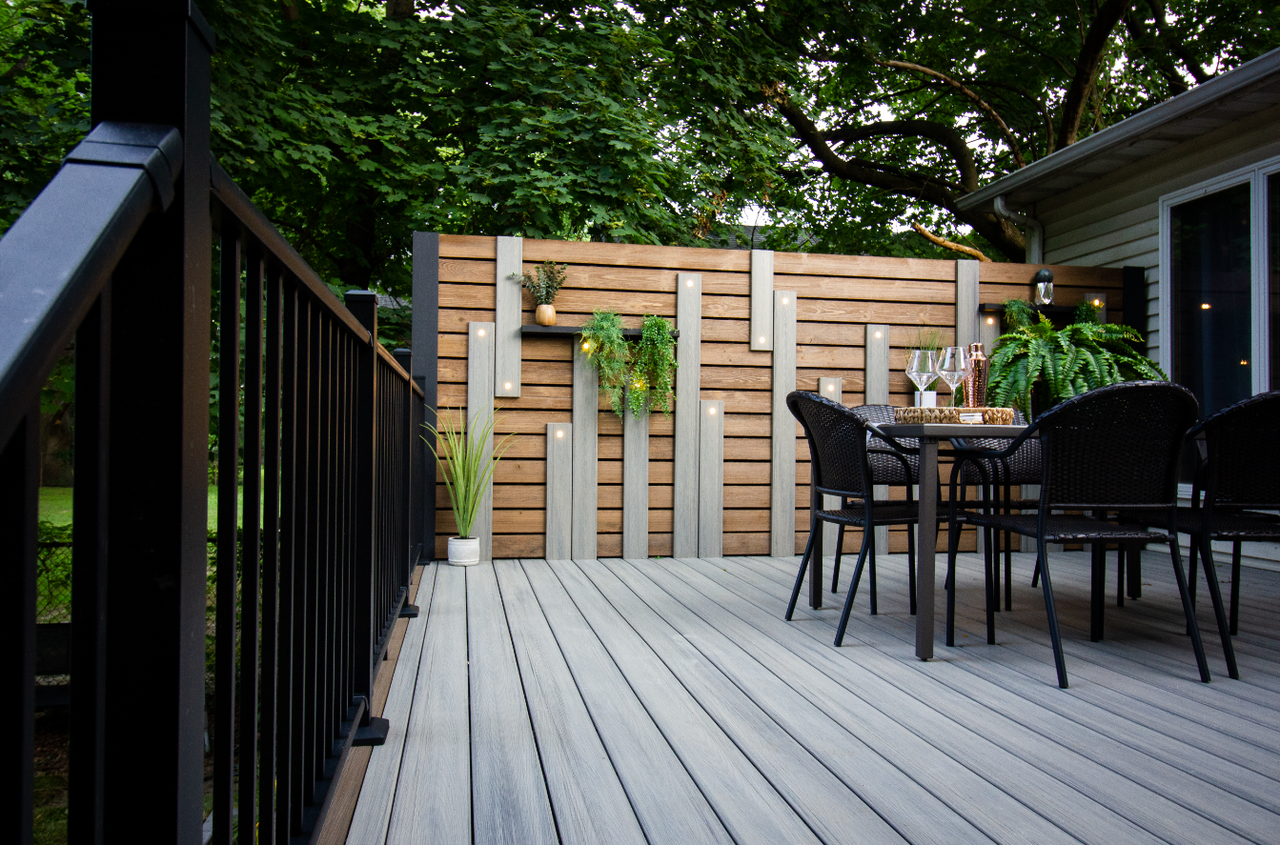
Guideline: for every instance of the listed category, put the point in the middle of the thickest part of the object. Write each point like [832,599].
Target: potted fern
[544,284]
[1035,366]
[467,474]
[609,353]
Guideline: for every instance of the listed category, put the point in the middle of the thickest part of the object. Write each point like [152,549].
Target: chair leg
[804,564]
[853,588]
[1035,573]
[1187,606]
[871,562]
[1235,587]
[1215,594]
[1042,569]
[835,568]
[1008,570]
[953,544]
[992,555]
[1120,575]
[1097,589]
[1134,575]
[991,574]
[1191,570]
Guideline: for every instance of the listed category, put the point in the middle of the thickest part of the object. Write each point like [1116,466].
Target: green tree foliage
[898,109]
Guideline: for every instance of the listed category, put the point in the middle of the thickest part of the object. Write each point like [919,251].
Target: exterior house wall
[1114,221]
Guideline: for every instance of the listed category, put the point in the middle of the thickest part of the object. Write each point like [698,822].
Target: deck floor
[666,701]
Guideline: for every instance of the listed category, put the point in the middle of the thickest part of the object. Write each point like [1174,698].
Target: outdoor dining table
[929,434]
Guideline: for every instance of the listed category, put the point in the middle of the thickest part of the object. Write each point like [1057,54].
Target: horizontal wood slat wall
[837,296]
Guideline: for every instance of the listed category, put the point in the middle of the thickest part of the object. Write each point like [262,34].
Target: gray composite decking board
[559,498]
[782,426]
[710,479]
[480,351]
[1176,755]
[586,423]
[833,811]
[668,804]
[635,484]
[1161,815]
[904,804]
[509,794]
[1174,752]
[1167,777]
[508,303]
[670,808]
[1147,676]
[588,800]
[967,316]
[829,387]
[761,301]
[684,482]
[1127,688]
[378,789]
[1001,793]
[434,787]
[748,805]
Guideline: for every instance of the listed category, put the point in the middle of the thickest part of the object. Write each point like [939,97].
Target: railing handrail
[237,203]
[95,204]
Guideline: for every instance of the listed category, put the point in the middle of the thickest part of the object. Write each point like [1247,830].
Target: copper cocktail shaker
[975,383]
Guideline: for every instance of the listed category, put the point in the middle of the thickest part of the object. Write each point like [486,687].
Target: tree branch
[969,94]
[1095,44]
[951,245]
[945,135]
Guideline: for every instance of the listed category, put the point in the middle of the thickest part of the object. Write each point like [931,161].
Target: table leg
[926,547]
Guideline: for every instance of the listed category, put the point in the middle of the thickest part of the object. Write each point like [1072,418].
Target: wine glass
[922,366]
[954,367]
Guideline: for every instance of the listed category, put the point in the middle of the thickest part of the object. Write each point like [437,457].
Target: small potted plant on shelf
[1035,366]
[467,474]
[544,284]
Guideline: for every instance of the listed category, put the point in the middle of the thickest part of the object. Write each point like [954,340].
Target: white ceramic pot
[464,551]
[926,398]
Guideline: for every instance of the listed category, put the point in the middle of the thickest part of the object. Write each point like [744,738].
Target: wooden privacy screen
[838,300]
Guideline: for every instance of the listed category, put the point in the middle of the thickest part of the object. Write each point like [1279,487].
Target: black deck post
[364,305]
[426,343]
[151,65]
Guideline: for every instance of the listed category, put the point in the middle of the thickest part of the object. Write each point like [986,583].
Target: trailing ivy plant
[608,352]
[1056,364]
[652,376]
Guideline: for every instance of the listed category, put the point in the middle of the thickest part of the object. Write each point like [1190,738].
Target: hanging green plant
[1052,364]
[607,351]
[652,377]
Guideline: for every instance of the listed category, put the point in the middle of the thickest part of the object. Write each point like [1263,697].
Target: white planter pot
[464,551]
[926,398]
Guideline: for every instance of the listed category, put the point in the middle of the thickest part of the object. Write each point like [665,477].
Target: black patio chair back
[837,444]
[883,458]
[1243,465]
[1115,447]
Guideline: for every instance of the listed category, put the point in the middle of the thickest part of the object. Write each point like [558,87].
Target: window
[1220,286]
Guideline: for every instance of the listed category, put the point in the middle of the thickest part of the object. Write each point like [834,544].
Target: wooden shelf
[570,331]
[1051,310]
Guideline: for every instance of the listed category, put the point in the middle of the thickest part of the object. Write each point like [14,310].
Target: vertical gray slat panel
[966,302]
[480,350]
[635,485]
[782,475]
[831,387]
[559,541]
[506,317]
[586,423]
[684,538]
[711,479]
[762,321]
[877,393]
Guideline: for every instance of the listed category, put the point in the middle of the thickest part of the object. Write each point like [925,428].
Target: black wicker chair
[894,467]
[1111,449]
[1239,477]
[841,467]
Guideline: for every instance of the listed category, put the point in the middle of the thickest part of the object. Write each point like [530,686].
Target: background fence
[855,318]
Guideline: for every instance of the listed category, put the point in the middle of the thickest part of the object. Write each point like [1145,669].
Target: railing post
[159,423]
[409,508]
[364,305]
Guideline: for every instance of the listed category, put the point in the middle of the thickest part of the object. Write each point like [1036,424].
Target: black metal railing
[314,420]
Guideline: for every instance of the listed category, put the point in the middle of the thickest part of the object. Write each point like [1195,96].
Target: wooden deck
[666,701]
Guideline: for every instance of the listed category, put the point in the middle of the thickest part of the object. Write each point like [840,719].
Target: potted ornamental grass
[467,472]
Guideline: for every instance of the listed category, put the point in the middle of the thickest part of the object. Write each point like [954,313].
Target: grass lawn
[55,505]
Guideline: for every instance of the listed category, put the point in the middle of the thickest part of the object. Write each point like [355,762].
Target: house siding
[1114,221]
